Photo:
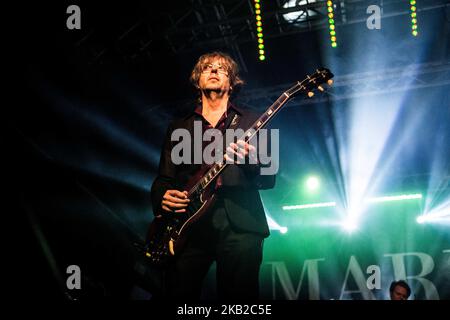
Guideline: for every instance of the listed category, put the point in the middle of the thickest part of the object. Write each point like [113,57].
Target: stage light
[312,183]
[301,15]
[441,217]
[440,214]
[310,206]
[349,225]
[331,24]
[413,9]
[259,30]
[395,198]
[353,210]
[273,225]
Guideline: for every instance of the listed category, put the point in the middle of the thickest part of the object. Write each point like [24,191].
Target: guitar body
[167,233]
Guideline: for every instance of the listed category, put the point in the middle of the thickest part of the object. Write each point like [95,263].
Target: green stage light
[331,24]
[439,214]
[273,225]
[259,29]
[310,206]
[395,198]
[421,219]
[414,27]
[349,225]
[312,183]
[402,197]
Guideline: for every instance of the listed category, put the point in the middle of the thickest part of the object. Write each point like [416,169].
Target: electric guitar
[167,233]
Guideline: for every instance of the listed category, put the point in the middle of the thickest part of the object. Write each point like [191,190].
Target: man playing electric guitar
[232,229]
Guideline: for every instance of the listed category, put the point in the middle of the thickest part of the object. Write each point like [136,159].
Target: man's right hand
[175,201]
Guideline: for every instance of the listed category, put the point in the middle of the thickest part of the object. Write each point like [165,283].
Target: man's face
[399,293]
[214,76]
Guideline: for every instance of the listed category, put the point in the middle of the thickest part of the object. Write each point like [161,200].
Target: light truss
[412,77]
[198,24]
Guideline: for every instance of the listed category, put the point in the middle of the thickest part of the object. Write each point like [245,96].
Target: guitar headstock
[313,82]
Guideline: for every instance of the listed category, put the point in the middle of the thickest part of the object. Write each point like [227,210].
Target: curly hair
[228,62]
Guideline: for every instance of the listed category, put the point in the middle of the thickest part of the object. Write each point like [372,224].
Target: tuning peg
[321,88]
[310,94]
[330,82]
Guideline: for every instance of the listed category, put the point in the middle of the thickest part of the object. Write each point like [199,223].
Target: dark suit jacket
[240,183]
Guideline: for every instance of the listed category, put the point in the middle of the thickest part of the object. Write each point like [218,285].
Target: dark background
[84,129]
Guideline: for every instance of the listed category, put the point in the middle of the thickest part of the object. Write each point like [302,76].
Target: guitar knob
[330,82]
[310,94]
